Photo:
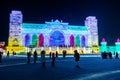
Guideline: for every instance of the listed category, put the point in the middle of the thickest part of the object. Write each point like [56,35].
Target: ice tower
[15,29]
[103,45]
[91,23]
[117,45]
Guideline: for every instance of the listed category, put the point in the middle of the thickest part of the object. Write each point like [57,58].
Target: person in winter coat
[43,60]
[53,60]
[29,56]
[77,58]
[35,56]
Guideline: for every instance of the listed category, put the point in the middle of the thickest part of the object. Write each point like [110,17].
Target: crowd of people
[109,55]
[52,55]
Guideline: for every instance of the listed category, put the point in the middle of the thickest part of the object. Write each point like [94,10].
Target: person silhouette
[28,56]
[53,60]
[56,54]
[35,56]
[116,56]
[1,53]
[13,53]
[8,54]
[77,58]
[43,58]
[50,54]
[64,53]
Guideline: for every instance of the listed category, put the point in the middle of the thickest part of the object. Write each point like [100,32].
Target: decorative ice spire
[57,21]
[52,20]
[61,21]
[118,40]
[103,40]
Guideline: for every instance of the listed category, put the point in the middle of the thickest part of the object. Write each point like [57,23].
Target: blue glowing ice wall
[54,33]
[27,40]
[57,39]
[103,45]
[117,45]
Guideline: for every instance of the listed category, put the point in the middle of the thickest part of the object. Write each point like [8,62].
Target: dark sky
[73,11]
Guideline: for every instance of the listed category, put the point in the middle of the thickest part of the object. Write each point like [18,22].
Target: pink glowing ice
[118,40]
[103,40]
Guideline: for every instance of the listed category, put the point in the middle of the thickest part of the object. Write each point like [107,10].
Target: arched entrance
[41,40]
[34,40]
[27,40]
[83,40]
[77,40]
[72,40]
[57,39]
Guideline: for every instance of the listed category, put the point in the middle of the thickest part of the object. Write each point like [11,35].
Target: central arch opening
[57,39]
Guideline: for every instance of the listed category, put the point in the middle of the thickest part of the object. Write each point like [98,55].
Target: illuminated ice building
[52,33]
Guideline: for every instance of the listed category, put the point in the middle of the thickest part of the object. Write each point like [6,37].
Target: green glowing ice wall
[77,40]
[111,49]
[103,47]
[34,40]
[117,45]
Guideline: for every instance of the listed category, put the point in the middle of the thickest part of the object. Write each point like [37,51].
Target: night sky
[72,11]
